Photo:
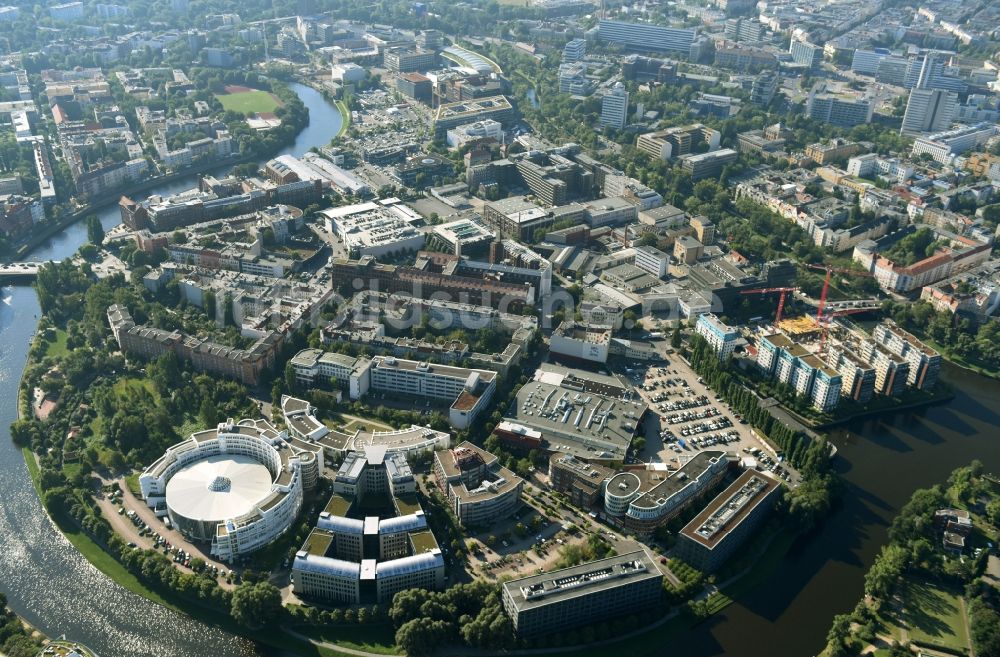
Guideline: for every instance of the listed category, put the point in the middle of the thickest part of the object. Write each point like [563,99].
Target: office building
[651,259]
[69,11]
[764,87]
[928,109]
[355,558]
[715,534]
[744,29]
[574,51]
[639,501]
[235,486]
[720,337]
[867,61]
[581,342]
[415,86]
[644,36]
[687,250]
[573,79]
[614,107]
[845,112]
[806,54]
[480,491]
[708,165]
[581,481]
[944,146]
[676,142]
[589,593]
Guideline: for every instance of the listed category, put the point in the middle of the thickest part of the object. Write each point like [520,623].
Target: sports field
[248,101]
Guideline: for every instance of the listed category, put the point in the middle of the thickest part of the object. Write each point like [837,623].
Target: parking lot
[688,417]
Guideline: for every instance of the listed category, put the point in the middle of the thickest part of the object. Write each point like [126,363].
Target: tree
[256,605]
[675,339]
[95,231]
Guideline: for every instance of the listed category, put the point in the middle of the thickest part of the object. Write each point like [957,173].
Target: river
[45,579]
[881,461]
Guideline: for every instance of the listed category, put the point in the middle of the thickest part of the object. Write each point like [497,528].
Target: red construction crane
[781,301]
[826,284]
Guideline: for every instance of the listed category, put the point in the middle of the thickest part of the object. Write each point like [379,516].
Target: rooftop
[577,581]
[729,508]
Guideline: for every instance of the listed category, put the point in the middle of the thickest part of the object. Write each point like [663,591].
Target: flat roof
[658,487]
[423,542]
[589,415]
[338,505]
[318,542]
[724,513]
[578,581]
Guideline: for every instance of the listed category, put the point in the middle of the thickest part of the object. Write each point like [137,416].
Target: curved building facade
[238,486]
[621,490]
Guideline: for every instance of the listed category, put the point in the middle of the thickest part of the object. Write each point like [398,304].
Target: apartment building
[792,364]
[469,391]
[924,362]
[720,337]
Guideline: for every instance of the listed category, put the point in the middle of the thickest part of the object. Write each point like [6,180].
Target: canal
[45,579]
[881,462]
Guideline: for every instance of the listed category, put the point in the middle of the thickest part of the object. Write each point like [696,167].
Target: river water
[45,579]
[881,461]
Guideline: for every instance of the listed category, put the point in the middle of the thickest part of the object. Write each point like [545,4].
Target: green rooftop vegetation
[318,542]
[423,542]
[338,505]
[407,504]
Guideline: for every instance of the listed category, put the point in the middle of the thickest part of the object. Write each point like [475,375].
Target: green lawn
[345,119]
[248,102]
[930,614]
[125,385]
[57,347]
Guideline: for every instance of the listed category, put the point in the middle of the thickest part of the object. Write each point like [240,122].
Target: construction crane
[826,284]
[781,301]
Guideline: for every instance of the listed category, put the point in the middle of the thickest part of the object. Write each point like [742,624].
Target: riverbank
[345,118]
[51,230]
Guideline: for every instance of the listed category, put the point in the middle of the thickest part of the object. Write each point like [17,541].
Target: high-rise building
[647,37]
[764,87]
[614,107]
[928,109]
[843,112]
[744,29]
[574,51]
[806,54]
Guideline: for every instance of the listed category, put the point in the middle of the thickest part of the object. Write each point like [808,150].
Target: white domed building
[238,486]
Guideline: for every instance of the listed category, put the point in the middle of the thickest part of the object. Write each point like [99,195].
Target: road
[123,526]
